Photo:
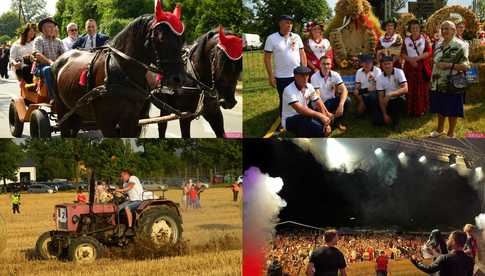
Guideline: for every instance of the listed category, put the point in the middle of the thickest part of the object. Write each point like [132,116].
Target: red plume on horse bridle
[231,45]
[172,19]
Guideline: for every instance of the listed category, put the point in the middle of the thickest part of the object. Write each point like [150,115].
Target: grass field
[213,235]
[261,104]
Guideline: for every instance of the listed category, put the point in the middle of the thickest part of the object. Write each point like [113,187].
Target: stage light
[452,160]
[401,155]
[337,154]
[422,159]
[378,151]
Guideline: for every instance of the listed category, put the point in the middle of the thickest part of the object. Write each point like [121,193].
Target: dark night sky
[418,199]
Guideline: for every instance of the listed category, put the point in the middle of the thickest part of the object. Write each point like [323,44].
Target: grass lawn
[261,110]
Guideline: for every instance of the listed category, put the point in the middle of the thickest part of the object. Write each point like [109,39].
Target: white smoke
[262,203]
[480,221]
[261,208]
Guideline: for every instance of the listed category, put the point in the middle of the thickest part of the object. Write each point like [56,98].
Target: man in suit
[91,39]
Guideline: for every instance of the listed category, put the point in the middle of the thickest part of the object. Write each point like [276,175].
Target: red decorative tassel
[83,79]
[159,78]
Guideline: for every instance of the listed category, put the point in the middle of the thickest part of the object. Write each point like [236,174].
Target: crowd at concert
[293,249]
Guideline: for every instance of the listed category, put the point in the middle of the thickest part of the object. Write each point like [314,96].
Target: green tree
[32,10]
[268,12]
[481,10]
[54,158]
[12,156]
[9,23]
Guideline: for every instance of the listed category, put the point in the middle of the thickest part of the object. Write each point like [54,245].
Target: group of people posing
[47,47]
[409,74]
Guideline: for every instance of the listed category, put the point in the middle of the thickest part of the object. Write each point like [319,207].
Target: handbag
[456,83]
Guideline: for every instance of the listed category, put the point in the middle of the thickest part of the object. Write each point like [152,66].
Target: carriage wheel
[40,126]
[16,126]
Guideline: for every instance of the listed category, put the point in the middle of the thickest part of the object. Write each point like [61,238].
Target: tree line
[112,16]
[73,159]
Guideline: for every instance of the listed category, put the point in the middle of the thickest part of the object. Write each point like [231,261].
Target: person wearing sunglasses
[72,34]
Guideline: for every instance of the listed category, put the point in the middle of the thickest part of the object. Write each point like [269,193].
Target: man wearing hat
[47,48]
[288,52]
[391,86]
[296,116]
[365,87]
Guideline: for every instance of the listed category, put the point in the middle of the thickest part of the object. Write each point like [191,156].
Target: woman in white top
[390,43]
[21,51]
[316,46]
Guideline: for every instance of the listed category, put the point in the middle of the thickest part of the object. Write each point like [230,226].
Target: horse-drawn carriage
[112,88]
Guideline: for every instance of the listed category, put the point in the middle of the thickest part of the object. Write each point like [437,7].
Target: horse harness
[94,92]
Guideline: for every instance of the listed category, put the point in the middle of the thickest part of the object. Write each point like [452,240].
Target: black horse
[122,69]
[216,74]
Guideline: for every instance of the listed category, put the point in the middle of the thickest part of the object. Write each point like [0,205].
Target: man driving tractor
[47,48]
[133,188]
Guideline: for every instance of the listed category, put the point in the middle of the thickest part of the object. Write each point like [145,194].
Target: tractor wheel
[159,226]
[85,250]
[16,126]
[44,247]
[40,126]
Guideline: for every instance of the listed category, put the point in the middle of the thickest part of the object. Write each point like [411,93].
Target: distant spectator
[15,198]
[80,196]
[235,191]
[72,34]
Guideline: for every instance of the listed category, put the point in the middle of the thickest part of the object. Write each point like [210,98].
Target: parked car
[40,188]
[62,186]
[252,41]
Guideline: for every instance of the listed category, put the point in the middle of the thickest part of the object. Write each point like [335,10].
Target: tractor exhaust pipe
[92,188]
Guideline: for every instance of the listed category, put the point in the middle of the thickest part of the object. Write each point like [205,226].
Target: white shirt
[388,43]
[319,49]
[19,51]
[390,83]
[420,45]
[327,86]
[68,41]
[90,40]
[367,80]
[136,193]
[286,52]
[291,95]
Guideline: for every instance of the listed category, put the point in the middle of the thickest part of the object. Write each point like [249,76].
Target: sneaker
[436,134]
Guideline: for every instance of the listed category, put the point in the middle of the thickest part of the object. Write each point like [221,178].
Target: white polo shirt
[291,95]
[390,83]
[286,52]
[136,193]
[326,86]
[367,80]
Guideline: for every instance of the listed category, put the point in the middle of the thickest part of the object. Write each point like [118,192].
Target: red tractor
[84,230]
